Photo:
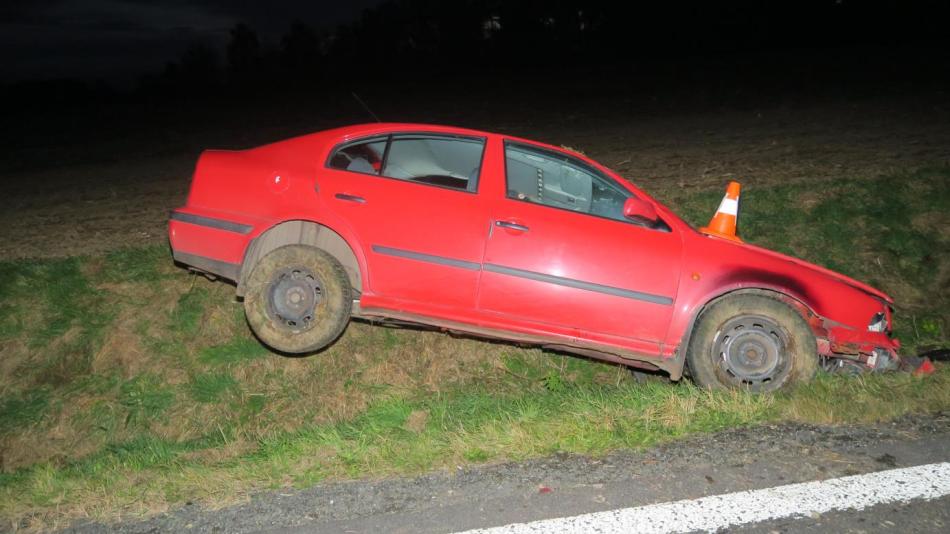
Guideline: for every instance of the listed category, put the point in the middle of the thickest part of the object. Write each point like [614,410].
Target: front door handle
[350,198]
[512,226]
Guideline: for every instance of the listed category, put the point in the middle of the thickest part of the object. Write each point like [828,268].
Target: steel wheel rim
[751,350]
[293,298]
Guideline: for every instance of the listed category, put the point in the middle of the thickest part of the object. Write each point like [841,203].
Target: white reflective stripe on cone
[729,206]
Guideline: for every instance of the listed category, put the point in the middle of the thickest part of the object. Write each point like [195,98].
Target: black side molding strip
[220,224]
[578,284]
[530,275]
[408,254]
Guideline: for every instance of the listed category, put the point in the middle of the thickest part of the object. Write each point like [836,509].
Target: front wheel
[298,299]
[751,342]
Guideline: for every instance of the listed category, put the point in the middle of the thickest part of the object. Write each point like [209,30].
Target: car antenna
[360,100]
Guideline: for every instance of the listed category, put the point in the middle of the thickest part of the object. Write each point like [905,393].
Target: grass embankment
[129,385]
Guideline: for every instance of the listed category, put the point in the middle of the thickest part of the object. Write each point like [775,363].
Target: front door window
[557,180]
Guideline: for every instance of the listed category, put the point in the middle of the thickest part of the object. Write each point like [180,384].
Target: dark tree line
[412,39]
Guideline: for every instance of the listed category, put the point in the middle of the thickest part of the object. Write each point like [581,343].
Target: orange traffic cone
[723,223]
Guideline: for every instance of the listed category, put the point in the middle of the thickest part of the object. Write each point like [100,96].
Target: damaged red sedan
[512,239]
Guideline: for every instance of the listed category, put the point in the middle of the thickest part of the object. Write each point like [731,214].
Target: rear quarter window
[361,156]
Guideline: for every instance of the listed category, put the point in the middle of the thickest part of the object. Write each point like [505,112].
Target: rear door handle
[350,198]
[512,226]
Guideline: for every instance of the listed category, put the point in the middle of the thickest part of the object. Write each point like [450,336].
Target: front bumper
[876,350]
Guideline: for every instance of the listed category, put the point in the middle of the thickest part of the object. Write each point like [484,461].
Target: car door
[561,255]
[412,200]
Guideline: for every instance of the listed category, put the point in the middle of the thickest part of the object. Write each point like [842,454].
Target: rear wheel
[298,299]
[751,342]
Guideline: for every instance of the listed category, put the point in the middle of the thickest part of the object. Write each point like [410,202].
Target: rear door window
[453,162]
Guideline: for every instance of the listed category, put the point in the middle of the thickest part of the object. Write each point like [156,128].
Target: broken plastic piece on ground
[925,368]
[917,365]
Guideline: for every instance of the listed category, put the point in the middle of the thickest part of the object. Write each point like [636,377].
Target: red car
[512,239]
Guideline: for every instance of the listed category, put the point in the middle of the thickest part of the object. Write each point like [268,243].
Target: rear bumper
[231,271]
[208,242]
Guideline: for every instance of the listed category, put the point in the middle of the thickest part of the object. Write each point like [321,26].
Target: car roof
[359,130]
[345,133]
[342,134]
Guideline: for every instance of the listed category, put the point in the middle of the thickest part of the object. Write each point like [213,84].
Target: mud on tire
[298,299]
[754,342]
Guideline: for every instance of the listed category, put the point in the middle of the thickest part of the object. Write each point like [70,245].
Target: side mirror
[640,210]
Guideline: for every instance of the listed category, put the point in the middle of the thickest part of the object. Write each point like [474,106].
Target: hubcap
[293,298]
[751,349]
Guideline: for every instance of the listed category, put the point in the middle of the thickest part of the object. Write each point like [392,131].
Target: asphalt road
[926,516]
[564,485]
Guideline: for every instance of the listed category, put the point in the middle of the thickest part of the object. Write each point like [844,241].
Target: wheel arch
[303,232]
[793,302]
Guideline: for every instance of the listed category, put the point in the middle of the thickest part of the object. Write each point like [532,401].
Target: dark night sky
[117,40]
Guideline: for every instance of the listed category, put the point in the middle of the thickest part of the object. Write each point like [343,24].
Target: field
[129,385]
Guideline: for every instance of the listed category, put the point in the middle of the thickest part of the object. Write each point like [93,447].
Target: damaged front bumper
[850,349]
[878,351]
[846,347]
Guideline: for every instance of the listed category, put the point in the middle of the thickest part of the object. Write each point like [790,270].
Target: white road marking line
[731,509]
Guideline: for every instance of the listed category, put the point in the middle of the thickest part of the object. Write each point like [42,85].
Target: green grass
[462,427]
[134,384]
[235,351]
[23,410]
[210,387]
[188,314]
[145,398]
[58,296]
[142,264]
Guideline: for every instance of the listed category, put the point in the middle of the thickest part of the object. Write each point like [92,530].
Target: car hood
[817,269]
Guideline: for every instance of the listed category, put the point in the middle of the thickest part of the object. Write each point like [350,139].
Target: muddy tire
[751,342]
[298,299]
